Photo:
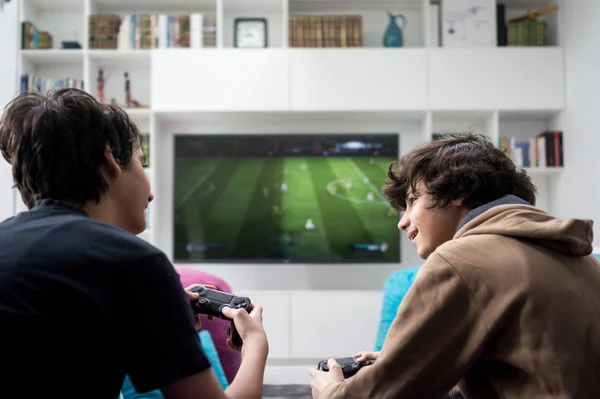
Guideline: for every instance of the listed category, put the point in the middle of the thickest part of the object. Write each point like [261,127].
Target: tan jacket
[510,308]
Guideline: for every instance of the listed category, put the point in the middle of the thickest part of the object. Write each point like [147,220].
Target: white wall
[8,76]
[579,188]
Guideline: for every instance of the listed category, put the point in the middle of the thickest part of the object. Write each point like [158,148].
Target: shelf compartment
[220,80]
[373,15]
[497,78]
[358,79]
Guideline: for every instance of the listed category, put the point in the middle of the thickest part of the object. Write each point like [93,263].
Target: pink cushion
[230,359]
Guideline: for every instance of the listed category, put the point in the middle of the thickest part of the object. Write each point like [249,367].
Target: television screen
[301,198]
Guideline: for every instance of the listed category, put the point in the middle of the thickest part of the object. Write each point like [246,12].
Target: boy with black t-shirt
[83,302]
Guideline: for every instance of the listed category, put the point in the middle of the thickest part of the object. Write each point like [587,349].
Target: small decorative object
[103,31]
[71,41]
[100,81]
[128,102]
[394,36]
[250,33]
[529,30]
[137,104]
[67,45]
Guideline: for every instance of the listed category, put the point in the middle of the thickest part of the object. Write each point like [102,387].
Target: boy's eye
[412,199]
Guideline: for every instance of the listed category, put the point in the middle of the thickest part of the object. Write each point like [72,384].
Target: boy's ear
[111,166]
[458,202]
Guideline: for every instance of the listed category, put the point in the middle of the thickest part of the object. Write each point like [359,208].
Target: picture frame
[469,23]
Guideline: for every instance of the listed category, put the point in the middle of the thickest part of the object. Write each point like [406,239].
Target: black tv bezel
[238,262]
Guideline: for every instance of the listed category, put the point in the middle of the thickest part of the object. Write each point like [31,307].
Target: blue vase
[394,37]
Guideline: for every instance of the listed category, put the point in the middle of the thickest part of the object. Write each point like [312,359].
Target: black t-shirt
[82,304]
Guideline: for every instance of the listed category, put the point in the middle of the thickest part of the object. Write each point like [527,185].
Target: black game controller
[211,303]
[349,365]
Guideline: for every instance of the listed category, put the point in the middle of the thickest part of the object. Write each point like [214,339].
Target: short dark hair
[467,166]
[56,144]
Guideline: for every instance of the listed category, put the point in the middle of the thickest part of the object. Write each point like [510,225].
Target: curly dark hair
[467,166]
[56,144]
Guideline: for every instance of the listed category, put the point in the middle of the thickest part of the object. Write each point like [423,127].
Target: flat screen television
[284,198]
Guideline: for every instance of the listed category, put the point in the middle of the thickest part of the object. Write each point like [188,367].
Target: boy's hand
[365,355]
[321,379]
[192,296]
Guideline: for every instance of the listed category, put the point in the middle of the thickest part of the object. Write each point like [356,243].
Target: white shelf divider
[220,20]
[492,127]
[286,20]
[427,131]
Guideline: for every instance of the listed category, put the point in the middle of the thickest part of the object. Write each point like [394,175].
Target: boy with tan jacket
[507,304]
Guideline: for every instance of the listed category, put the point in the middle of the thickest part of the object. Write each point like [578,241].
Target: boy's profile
[507,303]
[83,302]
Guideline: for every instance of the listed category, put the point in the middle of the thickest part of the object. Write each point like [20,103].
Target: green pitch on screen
[283,208]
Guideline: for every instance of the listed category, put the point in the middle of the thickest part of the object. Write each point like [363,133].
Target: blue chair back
[394,290]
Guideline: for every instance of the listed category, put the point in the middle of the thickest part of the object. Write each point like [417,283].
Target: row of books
[103,31]
[146,31]
[543,151]
[325,31]
[43,84]
[33,39]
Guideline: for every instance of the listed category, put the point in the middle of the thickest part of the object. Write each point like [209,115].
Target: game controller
[211,303]
[349,365]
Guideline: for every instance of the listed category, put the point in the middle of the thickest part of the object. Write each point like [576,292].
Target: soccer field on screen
[297,209]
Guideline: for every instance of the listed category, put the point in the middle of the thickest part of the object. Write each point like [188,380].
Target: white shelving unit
[415,91]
